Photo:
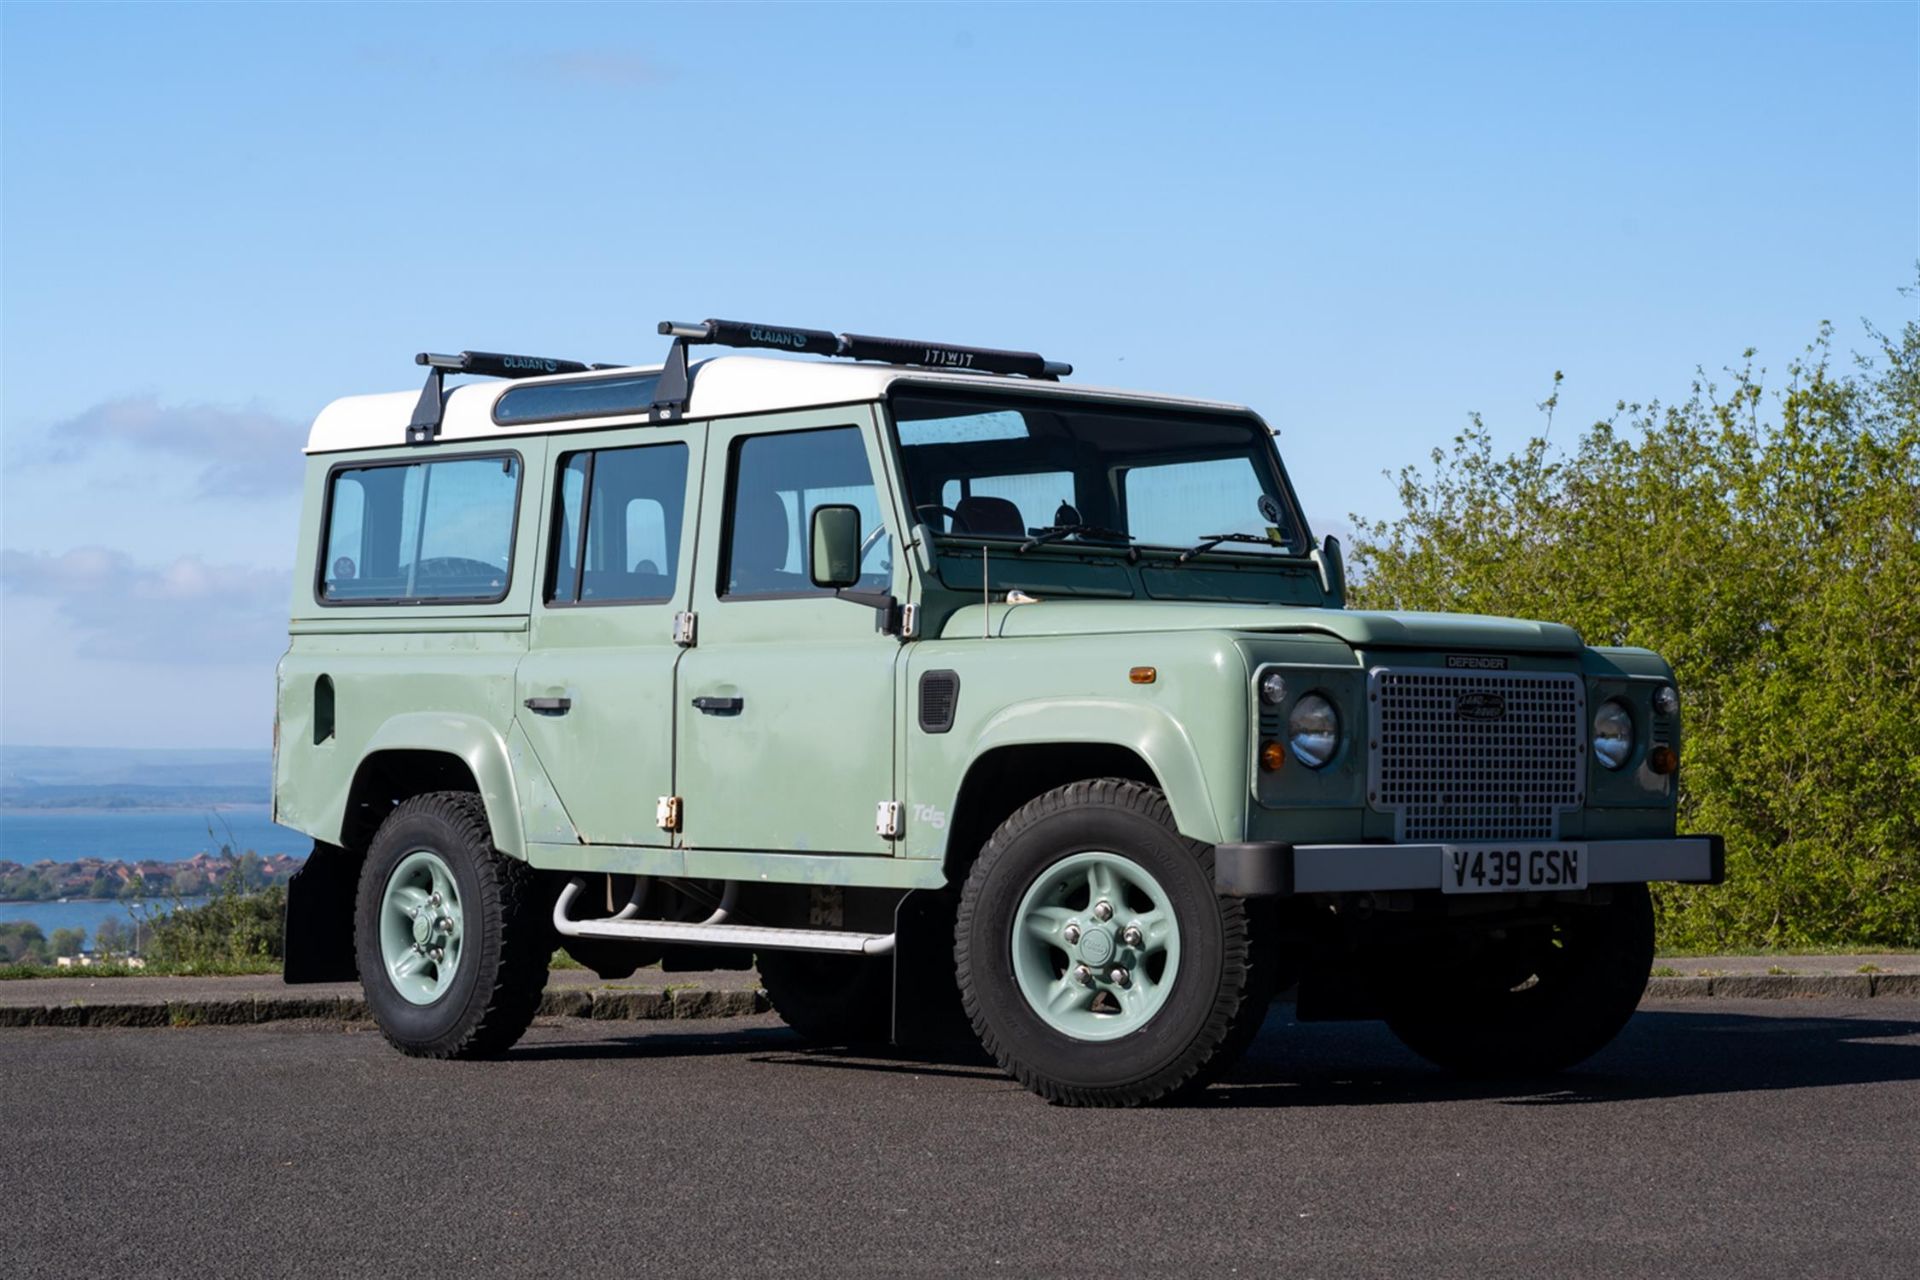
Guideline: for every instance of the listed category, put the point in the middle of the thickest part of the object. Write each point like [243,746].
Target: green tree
[1767,543]
[22,942]
[67,942]
[112,937]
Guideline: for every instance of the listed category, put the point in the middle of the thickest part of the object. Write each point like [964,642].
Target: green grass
[262,965]
[1689,953]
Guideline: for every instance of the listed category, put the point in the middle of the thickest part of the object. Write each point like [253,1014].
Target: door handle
[550,706]
[720,706]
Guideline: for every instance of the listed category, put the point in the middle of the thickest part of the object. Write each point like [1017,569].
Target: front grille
[1475,755]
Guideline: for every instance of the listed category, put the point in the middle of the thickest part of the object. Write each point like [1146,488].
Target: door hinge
[666,814]
[686,628]
[886,819]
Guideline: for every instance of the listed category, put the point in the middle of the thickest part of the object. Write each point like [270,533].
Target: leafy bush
[236,927]
[1767,543]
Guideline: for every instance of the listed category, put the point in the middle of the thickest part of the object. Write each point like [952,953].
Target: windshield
[998,467]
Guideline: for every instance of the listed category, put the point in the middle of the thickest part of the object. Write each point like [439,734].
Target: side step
[751,937]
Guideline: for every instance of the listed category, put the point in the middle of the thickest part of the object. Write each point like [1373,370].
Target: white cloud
[243,453]
[187,612]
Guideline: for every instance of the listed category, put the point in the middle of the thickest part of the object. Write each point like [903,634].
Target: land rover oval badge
[1480,706]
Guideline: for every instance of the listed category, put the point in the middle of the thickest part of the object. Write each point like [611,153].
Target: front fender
[1201,811]
[480,747]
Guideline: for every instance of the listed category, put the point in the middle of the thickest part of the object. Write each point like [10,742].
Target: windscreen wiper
[1055,532]
[1213,540]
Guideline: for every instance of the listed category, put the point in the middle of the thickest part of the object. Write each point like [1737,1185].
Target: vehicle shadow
[1663,1053]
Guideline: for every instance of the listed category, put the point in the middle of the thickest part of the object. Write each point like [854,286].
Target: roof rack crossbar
[670,397]
[424,426]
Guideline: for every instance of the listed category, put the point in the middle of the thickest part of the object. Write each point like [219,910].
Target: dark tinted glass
[429,531]
[634,504]
[994,467]
[778,480]
[554,401]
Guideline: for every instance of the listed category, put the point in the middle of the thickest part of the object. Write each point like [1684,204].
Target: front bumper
[1270,869]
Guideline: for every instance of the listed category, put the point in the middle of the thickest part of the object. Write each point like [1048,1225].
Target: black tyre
[1095,961]
[830,999]
[1529,1001]
[452,937]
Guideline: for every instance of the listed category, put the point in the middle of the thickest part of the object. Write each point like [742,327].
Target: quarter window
[778,481]
[439,532]
[630,504]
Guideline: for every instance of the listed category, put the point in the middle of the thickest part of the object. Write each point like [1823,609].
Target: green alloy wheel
[1095,961]
[1096,946]
[452,937]
[420,927]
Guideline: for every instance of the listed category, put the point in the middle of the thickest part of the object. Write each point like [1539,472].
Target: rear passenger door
[595,692]
[786,701]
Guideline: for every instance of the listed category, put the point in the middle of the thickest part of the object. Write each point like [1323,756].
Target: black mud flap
[319,942]
[928,1018]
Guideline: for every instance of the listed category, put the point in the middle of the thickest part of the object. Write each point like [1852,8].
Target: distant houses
[149,878]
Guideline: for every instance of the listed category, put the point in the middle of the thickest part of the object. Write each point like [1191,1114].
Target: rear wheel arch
[418,753]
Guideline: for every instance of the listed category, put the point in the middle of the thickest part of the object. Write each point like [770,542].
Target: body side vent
[939,700]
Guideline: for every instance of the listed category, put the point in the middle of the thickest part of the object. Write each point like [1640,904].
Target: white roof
[727,385]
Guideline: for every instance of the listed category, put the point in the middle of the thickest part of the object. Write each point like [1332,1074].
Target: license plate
[1524,868]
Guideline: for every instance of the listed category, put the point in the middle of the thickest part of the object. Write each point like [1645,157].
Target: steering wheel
[941,509]
[866,543]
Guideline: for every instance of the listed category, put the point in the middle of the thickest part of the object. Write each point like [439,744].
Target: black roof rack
[427,414]
[670,399]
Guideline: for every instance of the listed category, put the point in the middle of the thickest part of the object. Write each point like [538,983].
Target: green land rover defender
[954,698]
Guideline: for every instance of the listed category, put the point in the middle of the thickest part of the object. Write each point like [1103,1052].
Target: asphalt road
[1737,1138]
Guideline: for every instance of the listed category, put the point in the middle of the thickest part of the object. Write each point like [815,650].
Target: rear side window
[421,532]
[617,525]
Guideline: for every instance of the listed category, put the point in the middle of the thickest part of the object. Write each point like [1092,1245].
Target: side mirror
[1333,571]
[835,562]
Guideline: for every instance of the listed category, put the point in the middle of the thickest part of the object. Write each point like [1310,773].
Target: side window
[778,480]
[437,531]
[629,504]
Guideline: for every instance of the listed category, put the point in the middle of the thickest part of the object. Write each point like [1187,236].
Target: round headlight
[1273,688]
[1665,700]
[1613,734]
[1313,730]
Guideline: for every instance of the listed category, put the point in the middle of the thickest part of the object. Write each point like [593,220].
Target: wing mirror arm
[835,563]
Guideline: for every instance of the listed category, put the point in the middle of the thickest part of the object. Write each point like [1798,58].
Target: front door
[786,700]
[594,694]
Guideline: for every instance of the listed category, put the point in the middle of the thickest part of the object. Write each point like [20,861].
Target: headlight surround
[1613,734]
[1313,731]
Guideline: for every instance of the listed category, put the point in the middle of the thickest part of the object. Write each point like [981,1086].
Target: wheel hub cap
[1096,946]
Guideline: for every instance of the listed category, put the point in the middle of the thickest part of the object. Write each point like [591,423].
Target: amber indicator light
[1272,756]
[1144,675]
[1663,760]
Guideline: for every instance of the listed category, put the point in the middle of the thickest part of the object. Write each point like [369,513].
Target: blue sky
[1366,221]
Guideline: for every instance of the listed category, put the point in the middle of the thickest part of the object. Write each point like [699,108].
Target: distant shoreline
[223,806]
